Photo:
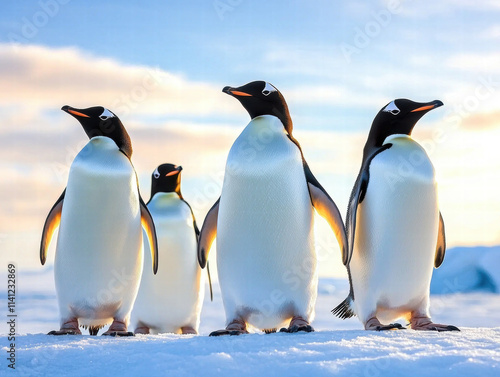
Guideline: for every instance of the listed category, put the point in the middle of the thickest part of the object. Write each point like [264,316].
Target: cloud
[41,77]
[475,62]
[493,32]
[482,121]
[423,9]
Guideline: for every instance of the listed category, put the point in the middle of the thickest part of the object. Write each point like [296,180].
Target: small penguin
[99,257]
[263,221]
[172,300]
[394,226]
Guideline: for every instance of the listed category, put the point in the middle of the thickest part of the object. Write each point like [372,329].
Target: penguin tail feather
[344,309]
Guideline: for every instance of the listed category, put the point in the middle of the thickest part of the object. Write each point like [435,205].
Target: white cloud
[475,62]
[50,78]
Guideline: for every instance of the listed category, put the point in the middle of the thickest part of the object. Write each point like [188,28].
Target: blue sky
[161,66]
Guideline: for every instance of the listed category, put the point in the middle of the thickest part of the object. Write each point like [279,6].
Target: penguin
[99,256]
[172,300]
[395,229]
[263,222]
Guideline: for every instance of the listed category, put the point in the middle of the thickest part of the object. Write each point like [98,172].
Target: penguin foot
[69,327]
[118,333]
[141,330]
[65,332]
[297,324]
[425,323]
[118,328]
[188,330]
[375,325]
[235,327]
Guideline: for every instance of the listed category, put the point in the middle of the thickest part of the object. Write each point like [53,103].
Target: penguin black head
[397,117]
[166,178]
[262,98]
[99,121]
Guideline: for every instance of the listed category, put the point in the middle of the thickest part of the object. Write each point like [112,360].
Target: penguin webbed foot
[425,323]
[227,332]
[374,324]
[391,326]
[235,327]
[298,324]
[118,328]
[188,330]
[118,333]
[65,332]
[143,330]
[69,327]
[295,329]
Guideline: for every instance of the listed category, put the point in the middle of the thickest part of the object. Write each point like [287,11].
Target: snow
[336,348]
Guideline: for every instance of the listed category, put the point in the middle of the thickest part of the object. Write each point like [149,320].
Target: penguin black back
[397,117]
[262,98]
[166,178]
[99,121]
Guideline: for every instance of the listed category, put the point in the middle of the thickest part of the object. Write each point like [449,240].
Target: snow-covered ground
[336,348]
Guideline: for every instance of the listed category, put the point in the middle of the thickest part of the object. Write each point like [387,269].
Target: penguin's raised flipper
[357,196]
[149,226]
[327,208]
[51,224]
[207,234]
[441,243]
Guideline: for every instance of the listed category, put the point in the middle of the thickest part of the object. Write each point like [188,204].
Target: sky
[161,66]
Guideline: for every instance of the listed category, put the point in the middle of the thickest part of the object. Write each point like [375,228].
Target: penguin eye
[268,89]
[156,174]
[106,114]
[392,108]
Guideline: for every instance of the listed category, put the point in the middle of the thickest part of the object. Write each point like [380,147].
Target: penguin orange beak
[177,170]
[231,91]
[431,106]
[71,111]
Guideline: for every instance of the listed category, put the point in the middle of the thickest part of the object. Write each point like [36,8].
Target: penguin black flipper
[327,208]
[197,232]
[357,195]
[208,233]
[51,224]
[195,226]
[441,243]
[149,226]
[345,309]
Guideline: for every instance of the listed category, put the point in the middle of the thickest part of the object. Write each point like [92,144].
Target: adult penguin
[263,221]
[395,229]
[98,262]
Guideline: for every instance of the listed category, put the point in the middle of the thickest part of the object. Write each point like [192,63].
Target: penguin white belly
[173,297]
[265,243]
[396,233]
[98,261]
